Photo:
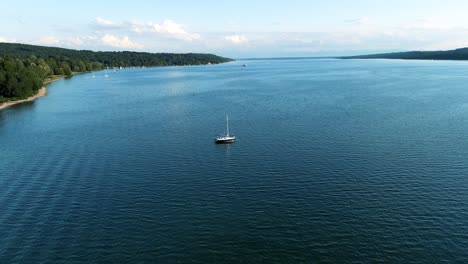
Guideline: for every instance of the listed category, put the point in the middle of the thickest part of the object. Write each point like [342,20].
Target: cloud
[236,39]
[104,22]
[444,44]
[358,21]
[91,41]
[427,24]
[167,28]
[76,41]
[171,28]
[70,41]
[95,41]
[116,42]
[354,35]
[49,41]
[10,40]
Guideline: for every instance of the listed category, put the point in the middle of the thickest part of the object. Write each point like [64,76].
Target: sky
[239,29]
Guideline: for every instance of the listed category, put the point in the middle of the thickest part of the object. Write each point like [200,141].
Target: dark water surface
[342,161]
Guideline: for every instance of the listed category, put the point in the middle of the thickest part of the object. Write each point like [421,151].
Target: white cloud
[104,22]
[427,24]
[76,41]
[49,41]
[176,30]
[355,35]
[167,28]
[96,41]
[4,39]
[236,39]
[446,45]
[70,41]
[123,42]
[358,21]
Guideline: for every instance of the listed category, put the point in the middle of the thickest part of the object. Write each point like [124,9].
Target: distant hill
[457,54]
[110,58]
[24,68]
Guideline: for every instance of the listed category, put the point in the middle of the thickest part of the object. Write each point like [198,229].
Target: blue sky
[239,28]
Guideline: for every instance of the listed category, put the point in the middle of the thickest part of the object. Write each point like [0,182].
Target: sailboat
[224,139]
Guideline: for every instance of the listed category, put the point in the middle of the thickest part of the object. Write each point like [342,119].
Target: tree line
[456,54]
[24,68]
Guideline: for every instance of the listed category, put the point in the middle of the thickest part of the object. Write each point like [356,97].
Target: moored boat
[224,139]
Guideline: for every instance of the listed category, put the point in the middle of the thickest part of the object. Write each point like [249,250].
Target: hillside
[23,68]
[457,54]
[110,58]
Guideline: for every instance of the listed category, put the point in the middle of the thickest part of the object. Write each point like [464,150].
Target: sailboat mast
[227,125]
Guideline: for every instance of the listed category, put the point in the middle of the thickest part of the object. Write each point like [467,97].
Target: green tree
[66,69]
[23,68]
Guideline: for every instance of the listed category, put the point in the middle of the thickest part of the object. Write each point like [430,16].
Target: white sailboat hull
[225,139]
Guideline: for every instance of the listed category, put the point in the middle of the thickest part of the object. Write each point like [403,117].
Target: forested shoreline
[456,54]
[24,68]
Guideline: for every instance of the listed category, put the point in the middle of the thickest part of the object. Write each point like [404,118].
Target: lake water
[335,161]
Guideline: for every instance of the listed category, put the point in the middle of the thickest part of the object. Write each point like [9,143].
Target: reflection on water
[174,74]
[29,105]
[175,88]
[224,147]
[18,109]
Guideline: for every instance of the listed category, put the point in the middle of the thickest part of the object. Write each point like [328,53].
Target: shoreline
[41,92]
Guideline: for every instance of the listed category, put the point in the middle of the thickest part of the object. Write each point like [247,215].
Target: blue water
[343,161]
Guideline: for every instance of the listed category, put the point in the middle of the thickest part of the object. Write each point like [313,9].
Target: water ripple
[336,161]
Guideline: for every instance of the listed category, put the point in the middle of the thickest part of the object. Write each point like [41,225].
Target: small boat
[225,139]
